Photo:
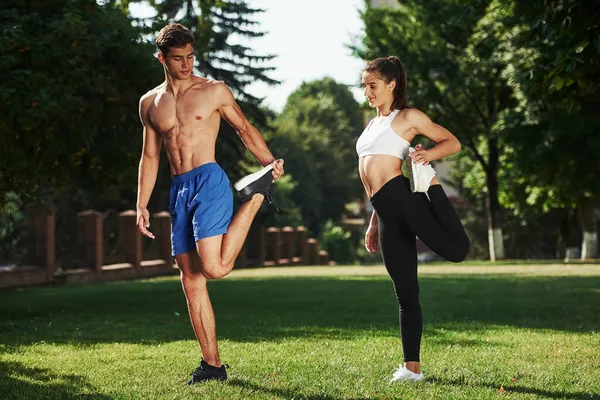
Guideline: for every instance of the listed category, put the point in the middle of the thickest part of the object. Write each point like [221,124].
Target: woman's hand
[372,239]
[419,155]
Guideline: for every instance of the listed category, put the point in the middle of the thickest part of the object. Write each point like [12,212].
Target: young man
[183,114]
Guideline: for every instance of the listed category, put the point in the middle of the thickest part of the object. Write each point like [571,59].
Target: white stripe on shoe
[248,179]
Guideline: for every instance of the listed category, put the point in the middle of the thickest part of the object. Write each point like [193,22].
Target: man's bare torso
[188,124]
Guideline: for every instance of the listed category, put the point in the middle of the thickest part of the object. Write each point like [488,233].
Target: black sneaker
[206,372]
[258,182]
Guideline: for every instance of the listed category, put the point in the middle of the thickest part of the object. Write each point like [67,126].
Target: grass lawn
[329,335]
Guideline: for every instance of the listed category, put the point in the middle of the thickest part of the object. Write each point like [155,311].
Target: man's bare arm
[148,168]
[249,135]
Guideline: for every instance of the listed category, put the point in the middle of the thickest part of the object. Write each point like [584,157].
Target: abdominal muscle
[190,146]
[376,170]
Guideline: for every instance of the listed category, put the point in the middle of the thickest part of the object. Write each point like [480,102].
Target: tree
[316,135]
[553,51]
[73,72]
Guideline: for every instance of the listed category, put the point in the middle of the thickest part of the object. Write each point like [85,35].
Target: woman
[402,209]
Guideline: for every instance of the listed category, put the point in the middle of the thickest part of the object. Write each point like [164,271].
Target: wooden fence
[264,247]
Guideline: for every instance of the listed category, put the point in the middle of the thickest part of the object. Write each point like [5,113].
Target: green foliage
[73,72]
[316,135]
[552,58]
[338,244]
[13,246]
[564,41]
[289,212]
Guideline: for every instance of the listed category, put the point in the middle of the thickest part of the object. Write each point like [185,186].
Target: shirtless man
[183,114]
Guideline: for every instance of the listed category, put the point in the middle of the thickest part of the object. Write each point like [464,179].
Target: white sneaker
[404,375]
[419,175]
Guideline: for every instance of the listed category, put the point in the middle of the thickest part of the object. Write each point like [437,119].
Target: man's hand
[277,168]
[143,222]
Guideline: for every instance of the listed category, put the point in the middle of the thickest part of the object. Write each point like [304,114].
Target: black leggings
[403,215]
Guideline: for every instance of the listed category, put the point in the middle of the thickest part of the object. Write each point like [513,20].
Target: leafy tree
[316,135]
[72,74]
[552,54]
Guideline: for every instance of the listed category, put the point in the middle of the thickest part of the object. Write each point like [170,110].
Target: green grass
[519,262]
[536,337]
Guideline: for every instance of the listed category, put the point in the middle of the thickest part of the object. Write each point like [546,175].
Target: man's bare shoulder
[217,90]
[209,85]
[151,94]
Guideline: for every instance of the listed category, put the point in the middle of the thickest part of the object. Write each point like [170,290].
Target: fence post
[41,223]
[323,257]
[91,231]
[131,238]
[313,251]
[273,245]
[287,236]
[301,256]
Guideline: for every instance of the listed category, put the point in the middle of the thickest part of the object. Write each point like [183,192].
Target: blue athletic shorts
[201,205]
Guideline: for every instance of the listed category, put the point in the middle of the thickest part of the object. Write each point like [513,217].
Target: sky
[309,38]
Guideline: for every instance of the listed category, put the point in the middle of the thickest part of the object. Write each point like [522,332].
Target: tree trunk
[589,245]
[570,236]
[494,210]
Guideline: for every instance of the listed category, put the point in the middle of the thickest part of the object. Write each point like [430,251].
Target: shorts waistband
[186,176]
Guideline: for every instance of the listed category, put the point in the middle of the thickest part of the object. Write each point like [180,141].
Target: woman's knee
[407,293]
[460,251]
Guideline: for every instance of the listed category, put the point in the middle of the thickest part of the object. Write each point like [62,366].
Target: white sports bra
[380,138]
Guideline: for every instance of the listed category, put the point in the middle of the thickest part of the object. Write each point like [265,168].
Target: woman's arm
[447,143]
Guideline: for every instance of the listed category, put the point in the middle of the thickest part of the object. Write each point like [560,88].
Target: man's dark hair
[174,35]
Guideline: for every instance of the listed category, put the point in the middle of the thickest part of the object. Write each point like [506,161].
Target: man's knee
[215,271]
[192,279]
[212,274]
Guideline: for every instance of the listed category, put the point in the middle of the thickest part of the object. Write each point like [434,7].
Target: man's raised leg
[218,253]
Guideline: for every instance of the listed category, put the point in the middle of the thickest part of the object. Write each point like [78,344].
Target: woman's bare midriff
[376,170]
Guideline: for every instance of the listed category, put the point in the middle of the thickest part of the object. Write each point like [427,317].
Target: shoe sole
[245,181]
[407,380]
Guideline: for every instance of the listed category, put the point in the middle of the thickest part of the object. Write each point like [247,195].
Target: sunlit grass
[326,337]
